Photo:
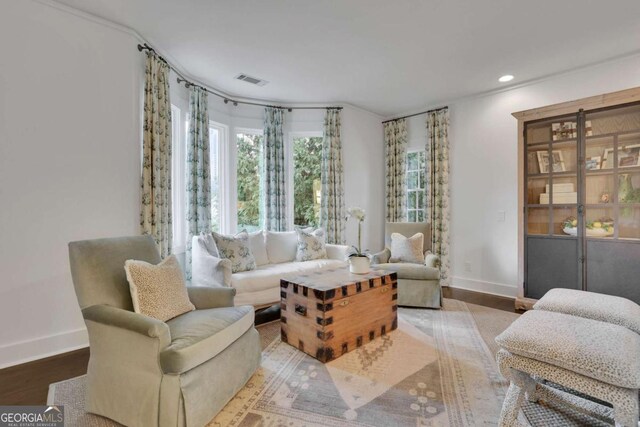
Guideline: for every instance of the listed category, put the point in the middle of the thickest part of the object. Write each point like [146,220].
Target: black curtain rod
[226,99]
[416,114]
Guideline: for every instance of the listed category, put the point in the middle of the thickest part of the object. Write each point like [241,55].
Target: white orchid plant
[359,215]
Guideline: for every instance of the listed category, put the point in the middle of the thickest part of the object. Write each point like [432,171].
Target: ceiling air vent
[252,80]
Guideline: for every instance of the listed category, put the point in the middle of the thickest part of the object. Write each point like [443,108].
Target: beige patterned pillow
[158,291]
[407,249]
[310,245]
[237,250]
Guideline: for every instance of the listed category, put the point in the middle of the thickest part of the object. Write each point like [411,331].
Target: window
[307,159]
[249,167]
[416,186]
[217,142]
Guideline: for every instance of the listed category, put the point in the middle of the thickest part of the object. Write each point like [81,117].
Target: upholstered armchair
[145,372]
[418,284]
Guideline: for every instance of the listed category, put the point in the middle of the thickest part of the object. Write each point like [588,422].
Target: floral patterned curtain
[437,175]
[198,193]
[155,212]
[332,216]
[395,138]
[273,178]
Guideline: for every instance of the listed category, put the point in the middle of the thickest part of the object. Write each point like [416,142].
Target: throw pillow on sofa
[236,249]
[258,247]
[158,291]
[282,246]
[405,249]
[310,245]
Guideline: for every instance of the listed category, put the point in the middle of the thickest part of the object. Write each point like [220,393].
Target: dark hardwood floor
[28,384]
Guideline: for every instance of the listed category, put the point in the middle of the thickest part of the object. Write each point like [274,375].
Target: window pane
[412,180]
[307,159]
[420,199]
[249,168]
[214,152]
[411,217]
[411,199]
[413,161]
[420,216]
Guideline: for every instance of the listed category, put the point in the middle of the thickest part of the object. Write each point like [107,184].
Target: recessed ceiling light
[505,78]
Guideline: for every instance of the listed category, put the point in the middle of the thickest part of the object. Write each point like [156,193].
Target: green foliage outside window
[249,171]
[307,159]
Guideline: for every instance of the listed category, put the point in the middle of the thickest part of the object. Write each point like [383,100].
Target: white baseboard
[39,348]
[492,288]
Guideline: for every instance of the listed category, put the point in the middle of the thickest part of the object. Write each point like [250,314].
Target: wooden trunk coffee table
[331,312]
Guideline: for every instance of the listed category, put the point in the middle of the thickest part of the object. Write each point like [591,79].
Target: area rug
[436,369]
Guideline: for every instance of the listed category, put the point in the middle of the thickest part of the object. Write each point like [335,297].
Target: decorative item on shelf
[629,156]
[626,192]
[563,193]
[605,197]
[359,262]
[607,158]
[604,227]
[588,130]
[558,161]
[564,130]
[593,163]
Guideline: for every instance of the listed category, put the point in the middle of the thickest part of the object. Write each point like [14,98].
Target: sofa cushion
[158,291]
[405,249]
[258,247]
[209,244]
[606,308]
[268,276]
[281,246]
[598,350]
[310,245]
[410,271]
[236,249]
[200,335]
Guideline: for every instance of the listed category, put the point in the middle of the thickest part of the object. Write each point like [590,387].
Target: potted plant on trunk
[358,259]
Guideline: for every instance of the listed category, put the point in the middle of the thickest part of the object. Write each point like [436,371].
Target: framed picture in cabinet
[557,161]
[629,156]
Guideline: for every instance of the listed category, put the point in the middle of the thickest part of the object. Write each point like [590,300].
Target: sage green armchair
[145,372]
[418,284]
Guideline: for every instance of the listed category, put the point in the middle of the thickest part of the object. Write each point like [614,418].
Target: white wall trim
[26,351]
[492,288]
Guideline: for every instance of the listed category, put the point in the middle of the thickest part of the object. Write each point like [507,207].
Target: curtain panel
[155,211]
[273,179]
[395,137]
[437,175]
[198,182]
[332,212]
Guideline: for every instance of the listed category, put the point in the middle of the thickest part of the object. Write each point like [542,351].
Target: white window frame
[223,170]
[424,190]
[178,151]
[233,186]
[290,166]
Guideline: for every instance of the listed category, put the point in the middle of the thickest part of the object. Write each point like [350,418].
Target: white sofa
[275,254]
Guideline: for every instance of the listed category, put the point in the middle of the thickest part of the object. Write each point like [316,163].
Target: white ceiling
[385,56]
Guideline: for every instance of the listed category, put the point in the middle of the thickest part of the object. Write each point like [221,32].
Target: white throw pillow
[258,247]
[407,249]
[310,245]
[158,291]
[281,246]
[236,249]
[210,244]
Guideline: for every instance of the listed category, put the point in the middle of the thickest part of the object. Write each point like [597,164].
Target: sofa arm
[381,257]
[128,320]
[204,297]
[339,252]
[431,260]
[206,269]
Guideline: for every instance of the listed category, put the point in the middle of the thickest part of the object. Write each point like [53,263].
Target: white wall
[484,159]
[69,165]
[70,96]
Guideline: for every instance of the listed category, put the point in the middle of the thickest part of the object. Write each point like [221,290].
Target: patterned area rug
[437,369]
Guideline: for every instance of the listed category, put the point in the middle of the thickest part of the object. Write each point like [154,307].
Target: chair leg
[511,407]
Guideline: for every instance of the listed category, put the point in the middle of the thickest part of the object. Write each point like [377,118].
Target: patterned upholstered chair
[418,284]
[583,341]
[145,372]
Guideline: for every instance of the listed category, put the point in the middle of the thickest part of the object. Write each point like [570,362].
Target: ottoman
[598,359]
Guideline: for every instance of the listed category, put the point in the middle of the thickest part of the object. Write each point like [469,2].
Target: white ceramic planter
[359,264]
